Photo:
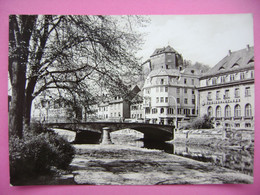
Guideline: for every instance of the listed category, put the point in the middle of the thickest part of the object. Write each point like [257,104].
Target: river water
[239,160]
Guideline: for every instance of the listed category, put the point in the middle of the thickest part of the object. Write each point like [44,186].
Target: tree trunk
[21,28]
[28,101]
[16,108]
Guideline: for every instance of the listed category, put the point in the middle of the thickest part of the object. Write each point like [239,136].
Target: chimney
[229,52]
[248,47]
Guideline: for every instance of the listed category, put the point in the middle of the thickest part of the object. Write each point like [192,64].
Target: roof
[164,72]
[235,61]
[167,49]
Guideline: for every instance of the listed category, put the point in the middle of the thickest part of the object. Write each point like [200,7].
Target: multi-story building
[103,110]
[136,108]
[119,108]
[227,90]
[170,91]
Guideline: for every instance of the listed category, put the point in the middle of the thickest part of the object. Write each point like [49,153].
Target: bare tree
[70,56]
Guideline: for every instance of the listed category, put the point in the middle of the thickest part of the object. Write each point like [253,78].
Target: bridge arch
[93,130]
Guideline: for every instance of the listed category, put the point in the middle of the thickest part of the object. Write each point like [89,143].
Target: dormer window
[251,60]
[236,65]
[221,68]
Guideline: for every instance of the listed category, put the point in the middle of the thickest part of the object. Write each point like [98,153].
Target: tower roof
[167,49]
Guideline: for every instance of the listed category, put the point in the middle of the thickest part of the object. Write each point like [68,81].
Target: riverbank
[126,165]
[216,138]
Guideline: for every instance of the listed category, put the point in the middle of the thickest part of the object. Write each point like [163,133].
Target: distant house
[227,90]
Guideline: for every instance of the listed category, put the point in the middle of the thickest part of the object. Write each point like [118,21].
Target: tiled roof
[236,60]
[164,50]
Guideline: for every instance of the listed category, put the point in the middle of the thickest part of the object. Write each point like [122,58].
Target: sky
[199,38]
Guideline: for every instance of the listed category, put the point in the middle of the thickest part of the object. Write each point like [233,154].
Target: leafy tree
[69,58]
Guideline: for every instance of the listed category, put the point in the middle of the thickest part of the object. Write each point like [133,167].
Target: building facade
[227,90]
[170,91]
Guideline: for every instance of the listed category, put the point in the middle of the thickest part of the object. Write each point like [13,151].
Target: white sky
[201,38]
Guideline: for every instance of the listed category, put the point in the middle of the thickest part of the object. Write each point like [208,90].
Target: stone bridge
[96,132]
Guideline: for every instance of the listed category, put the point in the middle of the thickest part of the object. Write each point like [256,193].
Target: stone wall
[213,137]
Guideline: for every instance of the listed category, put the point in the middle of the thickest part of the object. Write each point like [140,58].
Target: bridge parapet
[150,131]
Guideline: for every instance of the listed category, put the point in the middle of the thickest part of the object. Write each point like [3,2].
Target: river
[239,160]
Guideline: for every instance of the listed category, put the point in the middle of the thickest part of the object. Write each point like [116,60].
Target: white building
[227,90]
[170,92]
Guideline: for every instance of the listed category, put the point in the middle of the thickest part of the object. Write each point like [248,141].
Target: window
[154,110]
[193,111]
[237,125]
[170,111]
[161,100]
[162,81]
[232,77]
[242,75]
[214,81]
[209,96]
[185,81]
[210,111]
[193,92]
[178,100]
[248,125]
[226,96]
[178,90]
[207,82]
[237,93]
[252,74]
[193,101]
[185,100]
[166,99]
[162,110]
[222,79]
[217,95]
[166,89]
[161,89]
[248,110]
[157,99]
[147,111]
[167,67]
[185,90]
[218,111]
[227,111]
[237,110]
[247,92]
[186,111]
[179,111]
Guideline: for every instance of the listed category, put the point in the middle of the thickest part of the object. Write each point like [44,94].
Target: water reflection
[240,160]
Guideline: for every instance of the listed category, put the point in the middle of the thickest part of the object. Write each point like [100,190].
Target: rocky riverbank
[125,165]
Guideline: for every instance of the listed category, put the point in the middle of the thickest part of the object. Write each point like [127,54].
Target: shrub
[36,154]
[204,122]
